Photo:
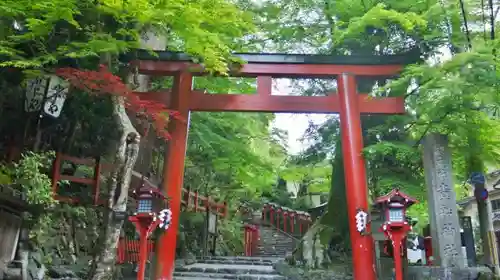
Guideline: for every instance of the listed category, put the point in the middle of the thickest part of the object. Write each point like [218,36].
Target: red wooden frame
[198,203]
[251,239]
[183,98]
[263,101]
[128,250]
[191,200]
[94,182]
[290,217]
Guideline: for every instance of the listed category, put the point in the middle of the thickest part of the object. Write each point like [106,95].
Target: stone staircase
[273,247]
[274,243]
[219,268]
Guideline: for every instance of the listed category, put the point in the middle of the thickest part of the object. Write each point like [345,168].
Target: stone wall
[428,273]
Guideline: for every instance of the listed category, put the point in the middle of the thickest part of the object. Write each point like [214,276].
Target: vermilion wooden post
[195,202]
[299,219]
[246,241]
[271,215]
[278,213]
[173,173]
[56,174]
[355,176]
[225,213]
[97,183]
[285,220]
[143,253]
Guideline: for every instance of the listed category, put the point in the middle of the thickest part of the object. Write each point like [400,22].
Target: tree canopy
[235,157]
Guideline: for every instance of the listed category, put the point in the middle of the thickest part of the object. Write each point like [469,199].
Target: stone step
[255,261]
[275,254]
[212,276]
[195,278]
[276,249]
[243,258]
[227,269]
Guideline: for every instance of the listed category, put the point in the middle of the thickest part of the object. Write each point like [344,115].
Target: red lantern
[150,202]
[396,226]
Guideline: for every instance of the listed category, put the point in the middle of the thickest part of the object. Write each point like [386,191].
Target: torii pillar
[347,102]
[173,173]
[363,258]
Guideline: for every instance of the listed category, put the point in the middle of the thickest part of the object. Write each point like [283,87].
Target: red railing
[290,221]
[94,182]
[128,250]
[191,200]
[198,203]
[251,239]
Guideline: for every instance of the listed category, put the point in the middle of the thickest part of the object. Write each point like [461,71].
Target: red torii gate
[183,98]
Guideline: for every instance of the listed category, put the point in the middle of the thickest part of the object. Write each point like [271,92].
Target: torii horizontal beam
[264,101]
[200,101]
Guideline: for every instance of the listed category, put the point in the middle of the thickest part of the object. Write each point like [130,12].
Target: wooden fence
[128,250]
[193,201]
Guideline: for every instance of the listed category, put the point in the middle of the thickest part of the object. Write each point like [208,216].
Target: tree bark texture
[119,183]
[126,155]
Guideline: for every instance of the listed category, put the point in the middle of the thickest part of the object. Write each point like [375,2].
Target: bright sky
[296,125]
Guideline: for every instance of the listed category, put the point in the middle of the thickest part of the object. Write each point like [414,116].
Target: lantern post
[150,214]
[395,226]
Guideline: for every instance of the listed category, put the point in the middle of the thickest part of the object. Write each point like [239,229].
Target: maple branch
[104,82]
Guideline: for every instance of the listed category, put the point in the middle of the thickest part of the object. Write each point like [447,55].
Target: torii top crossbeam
[346,101]
[267,66]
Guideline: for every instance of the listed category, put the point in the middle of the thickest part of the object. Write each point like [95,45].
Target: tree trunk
[119,183]
[126,156]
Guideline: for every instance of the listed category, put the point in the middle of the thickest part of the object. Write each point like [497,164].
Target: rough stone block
[445,227]
[443,273]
